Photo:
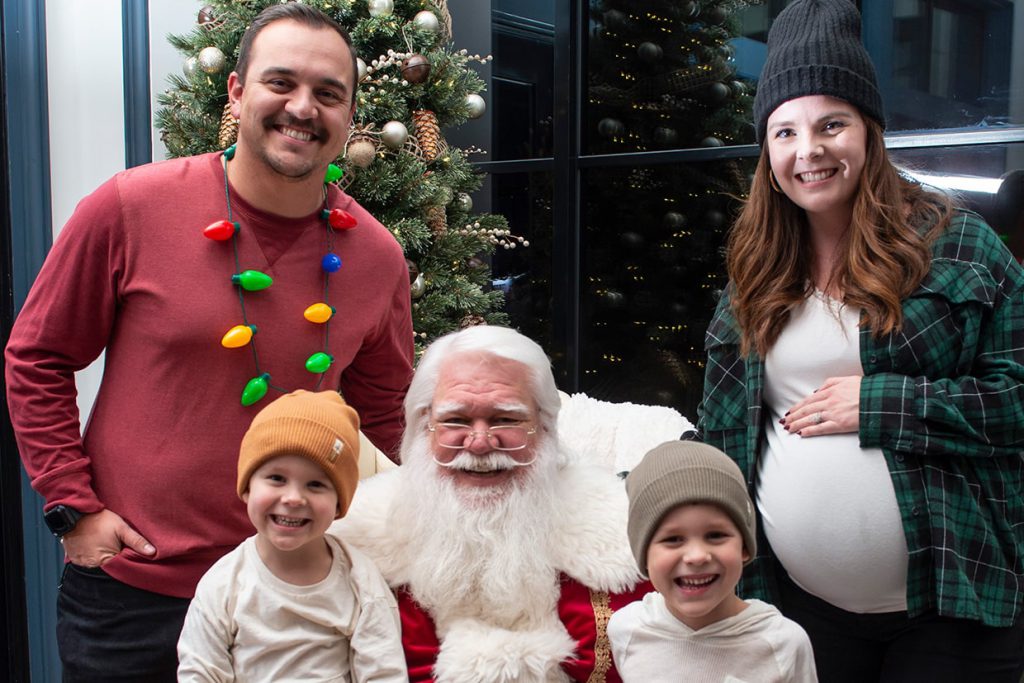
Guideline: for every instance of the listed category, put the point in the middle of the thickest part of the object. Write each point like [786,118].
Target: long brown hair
[884,255]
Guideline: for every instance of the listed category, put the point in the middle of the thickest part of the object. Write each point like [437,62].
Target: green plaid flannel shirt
[943,399]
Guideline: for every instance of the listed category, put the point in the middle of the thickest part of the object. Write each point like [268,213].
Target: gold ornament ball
[361,153]
[418,287]
[427,21]
[380,8]
[416,69]
[211,60]
[394,134]
[464,202]
[475,105]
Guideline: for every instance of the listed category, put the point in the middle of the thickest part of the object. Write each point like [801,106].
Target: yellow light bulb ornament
[238,336]
[319,313]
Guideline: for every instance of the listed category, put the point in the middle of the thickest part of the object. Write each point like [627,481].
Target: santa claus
[508,555]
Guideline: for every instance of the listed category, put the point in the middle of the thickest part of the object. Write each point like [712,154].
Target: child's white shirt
[246,624]
[758,645]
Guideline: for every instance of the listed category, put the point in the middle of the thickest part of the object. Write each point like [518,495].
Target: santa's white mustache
[492,462]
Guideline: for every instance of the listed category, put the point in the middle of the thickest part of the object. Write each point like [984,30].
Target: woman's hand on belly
[834,408]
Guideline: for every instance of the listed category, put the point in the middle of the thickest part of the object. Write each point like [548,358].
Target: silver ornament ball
[211,60]
[394,134]
[476,106]
[426,21]
[464,202]
[360,69]
[418,286]
[380,8]
[190,66]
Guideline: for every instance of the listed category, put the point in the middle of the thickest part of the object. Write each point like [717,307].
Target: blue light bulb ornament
[331,263]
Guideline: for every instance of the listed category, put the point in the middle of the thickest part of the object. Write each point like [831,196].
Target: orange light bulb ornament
[319,313]
[238,336]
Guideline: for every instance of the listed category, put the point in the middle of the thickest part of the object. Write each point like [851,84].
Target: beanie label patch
[336,450]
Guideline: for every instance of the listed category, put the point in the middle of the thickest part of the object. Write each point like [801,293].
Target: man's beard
[480,552]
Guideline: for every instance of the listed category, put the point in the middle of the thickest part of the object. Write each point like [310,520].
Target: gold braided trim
[602,648]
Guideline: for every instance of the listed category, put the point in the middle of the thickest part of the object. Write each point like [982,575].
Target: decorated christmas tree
[662,77]
[412,86]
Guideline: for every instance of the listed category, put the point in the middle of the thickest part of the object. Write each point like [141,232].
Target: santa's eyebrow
[458,407]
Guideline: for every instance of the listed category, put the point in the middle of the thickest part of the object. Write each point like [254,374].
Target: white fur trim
[473,651]
[616,436]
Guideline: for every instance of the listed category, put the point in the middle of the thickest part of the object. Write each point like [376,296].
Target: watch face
[61,519]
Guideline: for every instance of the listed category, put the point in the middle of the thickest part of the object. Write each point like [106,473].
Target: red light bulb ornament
[319,313]
[238,336]
[331,263]
[340,219]
[319,362]
[255,389]
[254,280]
[221,231]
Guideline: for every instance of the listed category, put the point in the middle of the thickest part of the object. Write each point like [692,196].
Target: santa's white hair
[501,342]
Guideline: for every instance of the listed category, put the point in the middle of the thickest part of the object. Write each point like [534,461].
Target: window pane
[524,274]
[519,34]
[661,75]
[652,270]
[988,179]
[940,63]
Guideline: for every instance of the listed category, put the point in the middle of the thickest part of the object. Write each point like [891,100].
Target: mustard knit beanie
[319,426]
[682,472]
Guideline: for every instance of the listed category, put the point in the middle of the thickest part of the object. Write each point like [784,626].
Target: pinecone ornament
[471,320]
[437,220]
[428,133]
[228,132]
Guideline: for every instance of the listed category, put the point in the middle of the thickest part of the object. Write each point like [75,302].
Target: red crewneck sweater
[133,274]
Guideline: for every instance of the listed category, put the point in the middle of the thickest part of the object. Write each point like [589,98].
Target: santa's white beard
[480,552]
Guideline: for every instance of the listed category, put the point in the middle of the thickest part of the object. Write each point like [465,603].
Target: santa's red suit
[596,574]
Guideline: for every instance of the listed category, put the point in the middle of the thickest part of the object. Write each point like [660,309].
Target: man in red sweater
[144,502]
[508,554]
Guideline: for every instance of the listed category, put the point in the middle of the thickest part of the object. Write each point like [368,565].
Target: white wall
[85,87]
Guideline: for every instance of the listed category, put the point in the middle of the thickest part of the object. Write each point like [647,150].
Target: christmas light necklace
[253,281]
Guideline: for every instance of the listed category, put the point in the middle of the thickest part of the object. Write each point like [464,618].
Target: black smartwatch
[61,519]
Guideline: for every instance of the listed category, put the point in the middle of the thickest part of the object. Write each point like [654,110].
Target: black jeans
[109,631]
[893,648]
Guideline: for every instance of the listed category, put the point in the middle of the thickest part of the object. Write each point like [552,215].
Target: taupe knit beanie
[681,472]
[319,426]
[814,48]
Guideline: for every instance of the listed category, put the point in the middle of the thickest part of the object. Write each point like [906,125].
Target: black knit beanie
[814,48]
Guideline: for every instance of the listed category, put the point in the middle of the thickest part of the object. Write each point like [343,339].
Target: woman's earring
[773,182]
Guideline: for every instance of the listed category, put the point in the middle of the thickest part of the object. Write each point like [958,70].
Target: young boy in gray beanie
[691,528]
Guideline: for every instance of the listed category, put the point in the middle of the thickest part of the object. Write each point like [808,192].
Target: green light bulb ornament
[333,174]
[319,362]
[252,280]
[255,389]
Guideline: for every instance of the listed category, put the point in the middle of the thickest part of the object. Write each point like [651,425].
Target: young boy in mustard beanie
[691,527]
[292,603]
